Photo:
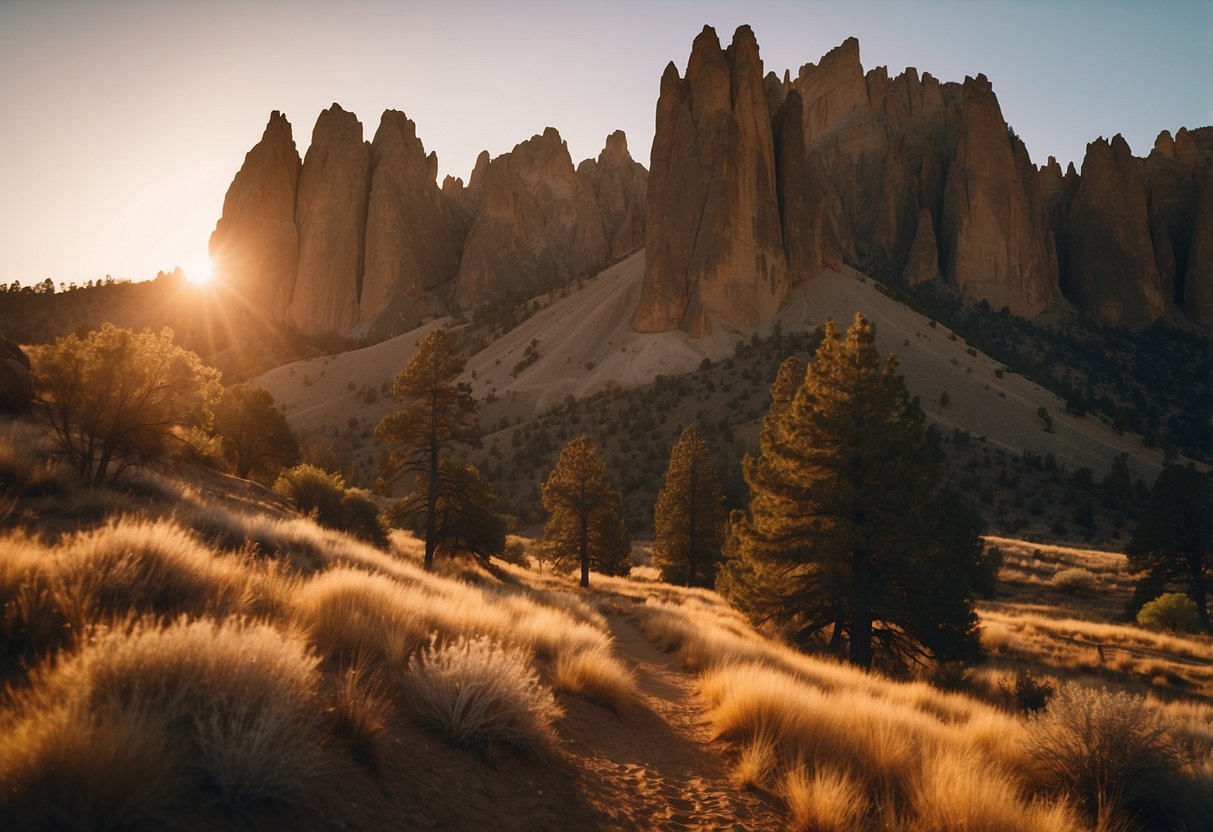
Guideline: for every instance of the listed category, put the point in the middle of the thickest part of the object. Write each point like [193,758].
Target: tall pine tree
[586,523]
[689,514]
[437,413]
[850,534]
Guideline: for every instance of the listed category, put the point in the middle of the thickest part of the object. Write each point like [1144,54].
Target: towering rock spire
[994,226]
[413,233]
[254,246]
[1113,271]
[331,217]
[714,247]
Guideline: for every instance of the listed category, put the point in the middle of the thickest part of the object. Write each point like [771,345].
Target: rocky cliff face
[1113,271]
[536,224]
[714,248]
[331,217]
[360,237]
[994,226]
[618,185]
[255,246]
[414,235]
[910,179]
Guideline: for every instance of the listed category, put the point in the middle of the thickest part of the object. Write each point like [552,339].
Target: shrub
[323,495]
[1073,581]
[480,694]
[1172,611]
[1107,750]
[117,398]
[1025,692]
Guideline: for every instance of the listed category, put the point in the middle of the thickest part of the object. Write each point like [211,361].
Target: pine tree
[849,530]
[466,516]
[1173,543]
[256,437]
[688,515]
[586,522]
[436,414]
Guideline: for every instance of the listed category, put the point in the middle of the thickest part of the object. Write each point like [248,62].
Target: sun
[199,273]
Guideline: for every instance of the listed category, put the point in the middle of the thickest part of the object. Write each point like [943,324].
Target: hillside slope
[585,344]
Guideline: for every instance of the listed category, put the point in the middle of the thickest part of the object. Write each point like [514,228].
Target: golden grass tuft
[597,676]
[483,695]
[824,801]
[149,718]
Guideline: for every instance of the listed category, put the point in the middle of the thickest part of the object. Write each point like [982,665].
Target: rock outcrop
[994,228]
[1113,271]
[255,247]
[331,217]
[360,238]
[923,262]
[618,184]
[414,235]
[714,247]
[535,224]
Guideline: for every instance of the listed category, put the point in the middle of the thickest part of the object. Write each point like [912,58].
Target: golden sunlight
[199,273]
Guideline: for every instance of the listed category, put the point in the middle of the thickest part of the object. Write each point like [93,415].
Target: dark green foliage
[324,496]
[117,398]
[1173,542]
[586,526]
[1171,611]
[850,532]
[467,519]
[257,441]
[689,514]
[437,412]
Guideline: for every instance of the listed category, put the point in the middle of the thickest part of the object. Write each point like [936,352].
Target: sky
[124,121]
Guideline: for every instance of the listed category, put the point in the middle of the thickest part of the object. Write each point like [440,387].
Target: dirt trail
[655,767]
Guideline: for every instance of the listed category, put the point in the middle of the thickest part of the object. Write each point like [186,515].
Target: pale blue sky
[125,120]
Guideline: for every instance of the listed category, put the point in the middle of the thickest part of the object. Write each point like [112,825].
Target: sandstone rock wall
[713,241]
[359,237]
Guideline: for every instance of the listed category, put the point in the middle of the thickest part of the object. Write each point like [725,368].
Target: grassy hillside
[182,651]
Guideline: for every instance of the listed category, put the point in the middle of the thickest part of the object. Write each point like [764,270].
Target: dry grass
[483,695]
[597,676]
[826,801]
[146,719]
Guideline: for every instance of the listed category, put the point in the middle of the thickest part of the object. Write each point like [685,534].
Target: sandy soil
[656,767]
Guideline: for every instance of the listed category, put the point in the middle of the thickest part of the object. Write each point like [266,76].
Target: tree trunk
[691,558]
[860,652]
[1199,591]
[431,499]
[585,551]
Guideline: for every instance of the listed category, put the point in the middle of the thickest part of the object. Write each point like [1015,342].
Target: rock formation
[923,262]
[617,183]
[331,217]
[713,242]
[1113,272]
[536,224]
[255,247]
[414,235]
[994,228]
[360,238]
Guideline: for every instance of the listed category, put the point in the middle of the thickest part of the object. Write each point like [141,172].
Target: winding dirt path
[655,767]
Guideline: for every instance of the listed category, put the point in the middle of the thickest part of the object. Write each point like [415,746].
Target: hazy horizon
[126,121]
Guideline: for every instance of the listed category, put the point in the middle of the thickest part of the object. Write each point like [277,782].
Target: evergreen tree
[586,523]
[436,414]
[849,530]
[256,437]
[466,518]
[688,515]
[1174,540]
